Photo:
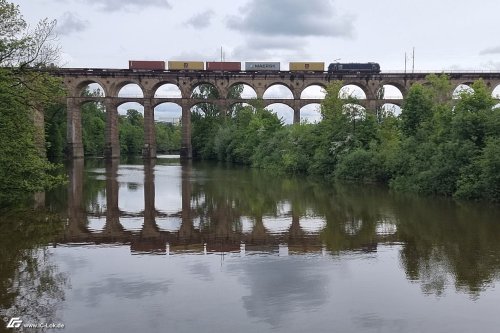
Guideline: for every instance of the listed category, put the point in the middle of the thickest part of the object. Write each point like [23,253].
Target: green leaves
[23,94]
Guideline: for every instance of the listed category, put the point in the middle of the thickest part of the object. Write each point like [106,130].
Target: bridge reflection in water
[207,222]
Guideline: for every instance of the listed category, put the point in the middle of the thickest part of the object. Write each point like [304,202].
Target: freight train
[223,66]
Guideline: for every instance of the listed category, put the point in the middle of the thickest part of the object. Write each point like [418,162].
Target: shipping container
[262,66]
[307,66]
[146,65]
[186,65]
[223,66]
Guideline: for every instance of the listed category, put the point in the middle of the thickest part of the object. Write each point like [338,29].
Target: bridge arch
[391,108]
[464,87]
[167,90]
[237,106]
[284,111]
[203,89]
[169,112]
[496,91]
[391,91]
[248,92]
[313,91]
[355,90]
[311,113]
[95,87]
[204,108]
[278,90]
[123,106]
[130,89]
[354,111]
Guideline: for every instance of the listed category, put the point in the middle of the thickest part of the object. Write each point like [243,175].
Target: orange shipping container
[186,65]
[307,66]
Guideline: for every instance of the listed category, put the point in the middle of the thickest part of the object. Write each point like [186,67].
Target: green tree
[131,132]
[24,92]
[417,108]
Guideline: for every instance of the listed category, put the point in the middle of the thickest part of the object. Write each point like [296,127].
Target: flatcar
[368,67]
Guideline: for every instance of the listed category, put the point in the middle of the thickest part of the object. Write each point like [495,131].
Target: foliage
[23,94]
[168,137]
[436,146]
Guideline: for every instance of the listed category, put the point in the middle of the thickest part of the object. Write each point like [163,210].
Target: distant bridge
[113,80]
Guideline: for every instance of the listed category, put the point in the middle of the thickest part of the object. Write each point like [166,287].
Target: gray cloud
[117,5]
[292,18]
[69,23]
[271,48]
[490,50]
[201,20]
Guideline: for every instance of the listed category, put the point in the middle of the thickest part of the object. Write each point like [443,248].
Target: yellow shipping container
[186,65]
[307,66]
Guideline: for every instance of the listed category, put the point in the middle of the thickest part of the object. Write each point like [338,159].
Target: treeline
[437,145]
[131,132]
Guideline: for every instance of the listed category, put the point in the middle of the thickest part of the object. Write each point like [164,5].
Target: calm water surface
[165,247]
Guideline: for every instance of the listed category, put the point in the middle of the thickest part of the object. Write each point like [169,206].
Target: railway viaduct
[113,80]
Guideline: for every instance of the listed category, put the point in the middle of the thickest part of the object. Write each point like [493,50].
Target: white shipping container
[262,66]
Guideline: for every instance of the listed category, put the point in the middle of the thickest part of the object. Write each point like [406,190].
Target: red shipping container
[146,65]
[224,66]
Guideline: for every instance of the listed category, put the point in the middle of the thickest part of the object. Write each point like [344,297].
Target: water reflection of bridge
[150,237]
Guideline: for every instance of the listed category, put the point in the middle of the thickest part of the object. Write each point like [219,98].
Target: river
[166,246]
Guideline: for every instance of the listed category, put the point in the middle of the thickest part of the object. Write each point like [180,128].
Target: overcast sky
[446,34]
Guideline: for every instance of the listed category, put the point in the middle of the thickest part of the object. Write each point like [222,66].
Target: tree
[417,108]
[23,168]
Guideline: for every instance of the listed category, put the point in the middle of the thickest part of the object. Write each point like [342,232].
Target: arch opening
[205,109]
[389,91]
[496,92]
[131,90]
[168,90]
[93,115]
[283,111]
[391,109]
[124,107]
[168,113]
[131,128]
[92,89]
[278,91]
[311,114]
[354,111]
[205,91]
[461,89]
[237,107]
[168,130]
[313,92]
[241,91]
[352,91]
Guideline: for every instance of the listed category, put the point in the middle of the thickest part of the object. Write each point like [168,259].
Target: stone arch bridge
[113,80]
